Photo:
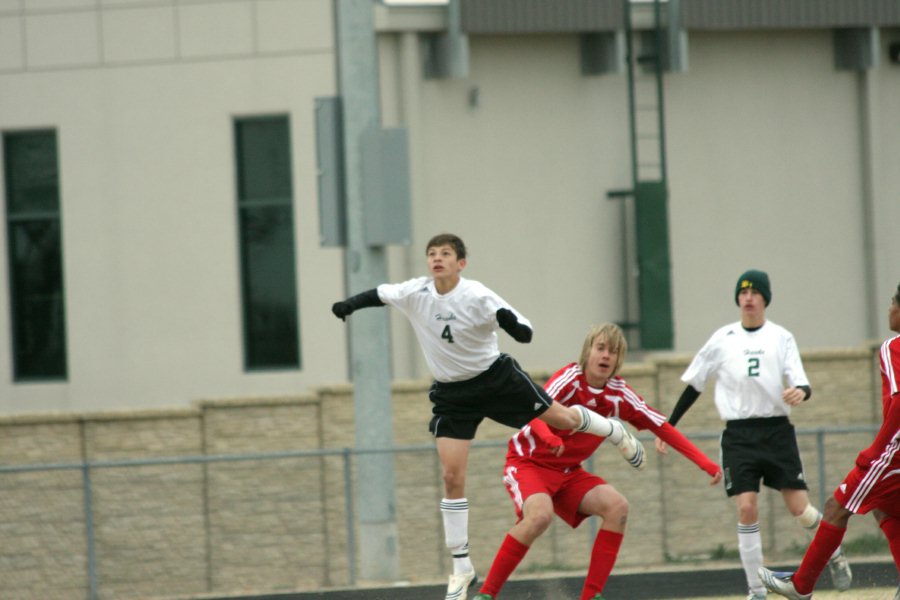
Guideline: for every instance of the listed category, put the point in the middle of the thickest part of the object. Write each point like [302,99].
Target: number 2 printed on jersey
[752,367]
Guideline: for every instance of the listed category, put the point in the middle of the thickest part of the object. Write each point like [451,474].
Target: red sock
[508,557]
[603,557]
[891,528]
[828,538]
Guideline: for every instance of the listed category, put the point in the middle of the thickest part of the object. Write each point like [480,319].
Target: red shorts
[565,488]
[875,487]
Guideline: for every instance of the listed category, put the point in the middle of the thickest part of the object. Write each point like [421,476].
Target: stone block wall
[208,520]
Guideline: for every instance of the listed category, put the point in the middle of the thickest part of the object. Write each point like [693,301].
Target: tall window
[265,215]
[34,239]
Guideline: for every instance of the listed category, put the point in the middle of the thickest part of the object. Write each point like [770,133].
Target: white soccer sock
[599,425]
[750,547]
[456,532]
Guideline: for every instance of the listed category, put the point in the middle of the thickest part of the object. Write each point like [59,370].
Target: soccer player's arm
[509,322]
[799,392]
[345,308]
[890,363]
[687,399]
[889,429]
[677,440]
[543,432]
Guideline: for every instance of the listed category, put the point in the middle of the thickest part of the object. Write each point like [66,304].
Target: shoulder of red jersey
[564,382]
[891,345]
[890,359]
[618,386]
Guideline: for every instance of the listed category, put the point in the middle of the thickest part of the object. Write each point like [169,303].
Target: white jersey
[457,330]
[752,369]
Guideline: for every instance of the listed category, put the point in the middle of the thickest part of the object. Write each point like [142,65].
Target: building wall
[145,131]
[517,157]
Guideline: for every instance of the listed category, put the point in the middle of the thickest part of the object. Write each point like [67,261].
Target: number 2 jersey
[750,367]
[569,387]
[457,330]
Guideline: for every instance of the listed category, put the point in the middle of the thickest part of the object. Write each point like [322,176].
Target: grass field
[851,594]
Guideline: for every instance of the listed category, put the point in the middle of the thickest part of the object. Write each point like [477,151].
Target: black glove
[345,308]
[506,318]
[342,310]
[509,322]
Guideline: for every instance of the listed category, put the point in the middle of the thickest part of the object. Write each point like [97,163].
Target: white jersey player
[456,322]
[759,378]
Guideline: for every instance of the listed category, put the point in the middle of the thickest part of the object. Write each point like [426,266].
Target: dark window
[266,222]
[34,238]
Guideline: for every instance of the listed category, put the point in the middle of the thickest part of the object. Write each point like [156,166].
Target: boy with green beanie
[759,379]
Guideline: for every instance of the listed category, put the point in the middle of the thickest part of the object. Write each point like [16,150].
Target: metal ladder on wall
[647,271]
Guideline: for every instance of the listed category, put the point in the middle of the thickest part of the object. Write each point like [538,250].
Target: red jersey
[885,449]
[569,387]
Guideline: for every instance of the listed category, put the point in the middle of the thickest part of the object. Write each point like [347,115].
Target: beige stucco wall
[279,523]
[764,164]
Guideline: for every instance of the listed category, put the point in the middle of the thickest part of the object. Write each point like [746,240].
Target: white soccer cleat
[781,583]
[756,596]
[631,448]
[841,575]
[459,585]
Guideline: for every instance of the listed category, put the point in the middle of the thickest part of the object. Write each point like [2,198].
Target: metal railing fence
[89,469]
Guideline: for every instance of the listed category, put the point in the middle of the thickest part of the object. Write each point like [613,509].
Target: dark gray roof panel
[539,16]
[776,14]
[559,16]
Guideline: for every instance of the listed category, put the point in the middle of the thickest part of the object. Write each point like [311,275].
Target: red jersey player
[543,472]
[873,485]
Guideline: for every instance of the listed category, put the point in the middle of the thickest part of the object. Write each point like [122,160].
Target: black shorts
[504,393]
[764,448]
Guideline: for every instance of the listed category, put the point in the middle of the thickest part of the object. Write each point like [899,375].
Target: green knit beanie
[758,280]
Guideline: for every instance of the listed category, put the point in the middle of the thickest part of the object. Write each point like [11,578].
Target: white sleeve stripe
[638,404]
[888,366]
[563,380]
[873,475]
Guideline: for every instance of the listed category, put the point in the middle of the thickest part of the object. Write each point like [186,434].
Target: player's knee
[454,481]
[617,511]
[539,520]
[834,513]
[748,513]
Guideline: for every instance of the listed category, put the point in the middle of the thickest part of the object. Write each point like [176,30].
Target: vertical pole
[629,68]
[89,532]
[351,517]
[365,267]
[871,261]
[660,97]
[820,458]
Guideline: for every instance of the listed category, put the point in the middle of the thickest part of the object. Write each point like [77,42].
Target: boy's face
[601,362]
[751,302]
[442,262]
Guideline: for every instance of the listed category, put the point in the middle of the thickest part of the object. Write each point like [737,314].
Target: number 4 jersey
[457,330]
[752,369]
